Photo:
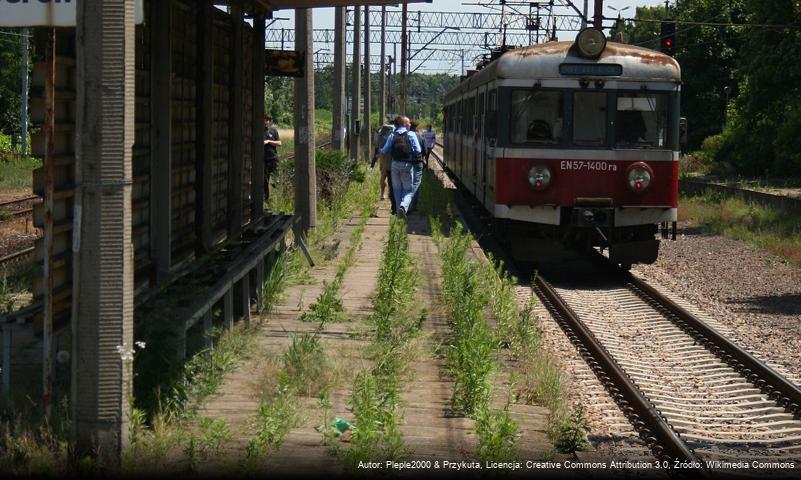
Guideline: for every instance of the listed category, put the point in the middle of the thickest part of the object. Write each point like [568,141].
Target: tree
[10,79]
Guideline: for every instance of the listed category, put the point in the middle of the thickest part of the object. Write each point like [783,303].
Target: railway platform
[428,430]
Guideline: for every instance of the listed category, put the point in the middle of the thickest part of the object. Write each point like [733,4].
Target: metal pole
[356,84]
[338,127]
[599,15]
[382,102]
[24,94]
[586,13]
[47,327]
[306,176]
[404,55]
[366,128]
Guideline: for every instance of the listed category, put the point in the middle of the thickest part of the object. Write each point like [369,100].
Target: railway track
[692,395]
[12,210]
[18,207]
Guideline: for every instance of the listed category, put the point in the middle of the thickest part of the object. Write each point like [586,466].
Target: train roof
[542,61]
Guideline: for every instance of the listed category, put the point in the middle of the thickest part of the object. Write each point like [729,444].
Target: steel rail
[19,200]
[16,256]
[14,213]
[768,381]
[653,428]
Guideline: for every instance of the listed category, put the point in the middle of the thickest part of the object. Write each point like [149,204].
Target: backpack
[401,147]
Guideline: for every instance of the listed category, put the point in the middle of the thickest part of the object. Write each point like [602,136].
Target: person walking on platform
[384,162]
[429,140]
[418,166]
[271,143]
[404,148]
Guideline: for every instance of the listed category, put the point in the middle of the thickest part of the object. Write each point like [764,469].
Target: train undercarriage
[581,231]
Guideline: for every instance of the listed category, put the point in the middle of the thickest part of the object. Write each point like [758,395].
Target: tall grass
[16,173]
[767,228]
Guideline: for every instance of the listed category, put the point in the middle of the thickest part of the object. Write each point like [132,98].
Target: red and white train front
[571,146]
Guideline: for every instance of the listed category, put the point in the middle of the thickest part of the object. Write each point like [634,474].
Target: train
[570,146]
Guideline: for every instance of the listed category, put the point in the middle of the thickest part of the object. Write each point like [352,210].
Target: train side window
[589,118]
[492,117]
[642,120]
[536,116]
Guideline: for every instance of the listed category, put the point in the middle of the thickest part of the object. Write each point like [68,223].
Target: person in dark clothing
[271,143]
[418,166]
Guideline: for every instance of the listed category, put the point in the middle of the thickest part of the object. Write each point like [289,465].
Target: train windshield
[536,117]
[642,120]
[589,118]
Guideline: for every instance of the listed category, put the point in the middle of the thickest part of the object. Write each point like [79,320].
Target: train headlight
[639,176]
[590,42]
[539,177]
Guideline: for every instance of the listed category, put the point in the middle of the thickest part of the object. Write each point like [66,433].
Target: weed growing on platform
[203,374]
[214,433]
[274,419]
[32,446]
[287,270]
[376,393]
[497,436]
[471,354]
[328,307]
[572,432]
[306,364]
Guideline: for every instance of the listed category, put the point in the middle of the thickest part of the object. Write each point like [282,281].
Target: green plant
[497,436]
[572,432]
[274,420]
[305,364]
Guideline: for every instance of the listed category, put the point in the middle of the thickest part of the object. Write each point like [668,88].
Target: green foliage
[760,66]
[16,173]
[279,99]
[497,436]
[274,419]
[214,433]
[175,391]
[771,229]
[572,432]
[306,364]
[10,79]
[471,353]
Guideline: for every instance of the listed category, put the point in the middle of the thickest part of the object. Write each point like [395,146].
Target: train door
[491,140]
[459,128]
[478,155]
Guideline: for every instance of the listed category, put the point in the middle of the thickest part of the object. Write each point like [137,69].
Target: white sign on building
[53,13]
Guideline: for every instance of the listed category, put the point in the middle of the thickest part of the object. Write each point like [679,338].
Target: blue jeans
[402,183]
[418,179]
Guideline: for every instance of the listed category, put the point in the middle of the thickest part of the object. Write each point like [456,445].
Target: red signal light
[667,35]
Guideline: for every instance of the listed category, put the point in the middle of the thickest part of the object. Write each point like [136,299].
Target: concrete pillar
[356,84]
[102,318]
[338,130]
[382,79]
[237,106]
[257,175]
[367,135]
[305,172]
[161,139]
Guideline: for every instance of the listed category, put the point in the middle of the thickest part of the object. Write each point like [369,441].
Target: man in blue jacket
[403,147]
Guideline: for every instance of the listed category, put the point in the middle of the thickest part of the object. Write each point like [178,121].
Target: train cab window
[589,118]
[641,120]
[536,117]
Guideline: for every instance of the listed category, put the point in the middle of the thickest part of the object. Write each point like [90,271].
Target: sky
[324,18]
